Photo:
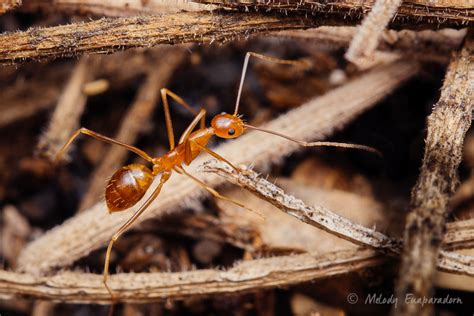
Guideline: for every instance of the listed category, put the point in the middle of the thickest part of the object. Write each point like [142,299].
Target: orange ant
[130,183]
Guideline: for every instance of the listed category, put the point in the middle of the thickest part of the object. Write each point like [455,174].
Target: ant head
[227,125]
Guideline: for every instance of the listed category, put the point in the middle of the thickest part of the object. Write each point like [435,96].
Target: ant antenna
[266,58]
[314,144]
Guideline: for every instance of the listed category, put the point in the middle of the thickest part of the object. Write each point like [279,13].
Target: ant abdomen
[127,186]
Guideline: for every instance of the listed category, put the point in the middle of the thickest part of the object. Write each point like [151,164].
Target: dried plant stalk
[136,117]
[427,13]
[73,287]
[368,34]
[329,221]
[110,35]
[68,111]
[93,228]
[6,5]
[447,125]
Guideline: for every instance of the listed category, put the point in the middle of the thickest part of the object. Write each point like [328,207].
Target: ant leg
[215,155]
[164,177]
[201,116]
[266,58]
[103,138]
[214,192]
[169,124]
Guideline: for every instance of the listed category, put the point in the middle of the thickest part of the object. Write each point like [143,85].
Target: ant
[129,184]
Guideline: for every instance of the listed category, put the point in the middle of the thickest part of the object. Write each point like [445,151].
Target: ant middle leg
[215,155]
[102,138]
[214,192]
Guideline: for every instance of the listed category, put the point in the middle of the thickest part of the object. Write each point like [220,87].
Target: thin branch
[136,117]
[93,228]
[71,103]
[425,225]
[368,34]
[6,5]
[411,13]
[317,216]
[72,287]
[327,220]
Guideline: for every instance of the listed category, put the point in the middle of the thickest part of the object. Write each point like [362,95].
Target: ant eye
[231,131]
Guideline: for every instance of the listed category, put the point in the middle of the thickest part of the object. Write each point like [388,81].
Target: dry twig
[92,229]
[329,221]
[317,216]
[68,111]
[136,117]
[110,35]
[425,225]
[368,34]
[246,276]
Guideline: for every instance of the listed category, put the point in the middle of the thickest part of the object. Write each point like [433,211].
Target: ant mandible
[129,184]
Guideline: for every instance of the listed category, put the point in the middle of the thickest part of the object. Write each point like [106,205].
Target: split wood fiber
[316,119]
[438,179]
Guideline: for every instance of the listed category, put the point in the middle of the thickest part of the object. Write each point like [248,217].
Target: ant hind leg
[102,138]
[164,177]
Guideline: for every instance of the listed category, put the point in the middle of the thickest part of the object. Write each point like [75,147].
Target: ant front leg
[164,177]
